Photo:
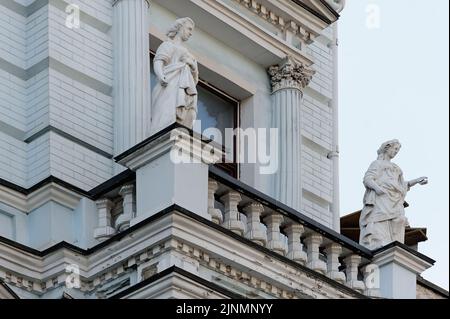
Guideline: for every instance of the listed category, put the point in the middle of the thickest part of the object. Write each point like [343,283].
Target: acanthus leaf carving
[290,74]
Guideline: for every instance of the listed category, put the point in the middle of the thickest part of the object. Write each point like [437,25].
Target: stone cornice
[48,192]
[290,74]
[262,45]
[398,255]
[175,278]
[303,21]
[278,20]
[114,2]
[173,137]
[171,233]
[221,254]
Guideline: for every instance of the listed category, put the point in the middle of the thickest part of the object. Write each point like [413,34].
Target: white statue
[175,95]
[383,217]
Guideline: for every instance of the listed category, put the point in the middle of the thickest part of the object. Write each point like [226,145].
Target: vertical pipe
[334,155]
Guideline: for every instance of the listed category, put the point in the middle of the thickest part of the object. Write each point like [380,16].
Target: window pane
[214,111]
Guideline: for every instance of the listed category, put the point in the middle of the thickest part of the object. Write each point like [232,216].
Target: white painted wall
[73,94]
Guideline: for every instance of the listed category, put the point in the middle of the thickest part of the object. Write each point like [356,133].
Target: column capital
[290,74]
[126,189]
[114,2]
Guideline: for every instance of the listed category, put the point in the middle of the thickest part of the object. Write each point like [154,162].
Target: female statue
[175,96]
[383,217]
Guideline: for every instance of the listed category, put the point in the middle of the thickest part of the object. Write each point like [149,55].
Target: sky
[393,83]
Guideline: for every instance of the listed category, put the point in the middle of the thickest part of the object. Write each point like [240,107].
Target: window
[215,109]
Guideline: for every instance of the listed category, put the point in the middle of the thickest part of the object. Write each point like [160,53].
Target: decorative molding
[114,2]
[233,26]
[171,234]
[49,192]
[303,22]
[277,20]
[13,198]
[290,74]
[53,192]
[225,247]
[173,137]
[336,5]
[402,257]
[238,275]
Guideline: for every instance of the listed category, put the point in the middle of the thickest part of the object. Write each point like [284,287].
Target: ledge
[404,247]
[176,270]
[172,210]
[402,255]
[50,189]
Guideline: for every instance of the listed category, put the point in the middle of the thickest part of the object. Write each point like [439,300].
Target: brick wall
[55,79]
[13,155]
[317,133]
[81,111]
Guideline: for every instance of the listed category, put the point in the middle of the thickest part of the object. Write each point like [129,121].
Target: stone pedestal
[171,168]
[288,81]
[399,267]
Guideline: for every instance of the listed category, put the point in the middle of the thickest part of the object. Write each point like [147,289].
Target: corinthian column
[131,88]
[288,80]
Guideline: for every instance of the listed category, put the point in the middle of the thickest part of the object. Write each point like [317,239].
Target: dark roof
[8,290]
[440,291]
[318,14]
[350,229]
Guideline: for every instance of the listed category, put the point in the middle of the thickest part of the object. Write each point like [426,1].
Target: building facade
[91,206]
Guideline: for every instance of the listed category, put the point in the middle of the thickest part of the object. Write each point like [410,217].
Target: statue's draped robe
[383,218]
[180,95]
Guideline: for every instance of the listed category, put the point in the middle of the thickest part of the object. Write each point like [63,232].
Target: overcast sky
[394,84]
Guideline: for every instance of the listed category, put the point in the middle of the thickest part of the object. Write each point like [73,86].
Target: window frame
[232,169]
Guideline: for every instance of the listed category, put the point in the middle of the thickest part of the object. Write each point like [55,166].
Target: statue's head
[183,27]
[389,149]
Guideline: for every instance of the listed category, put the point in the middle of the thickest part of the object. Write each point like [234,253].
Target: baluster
[371,274]
[216,214]
[104,229]
[313,242]
[352,263]
[295,247]
[274,242]
[129,207]
[333,252]
[232,220]
[254,231]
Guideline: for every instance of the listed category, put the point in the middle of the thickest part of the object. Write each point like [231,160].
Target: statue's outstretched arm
[420,180]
